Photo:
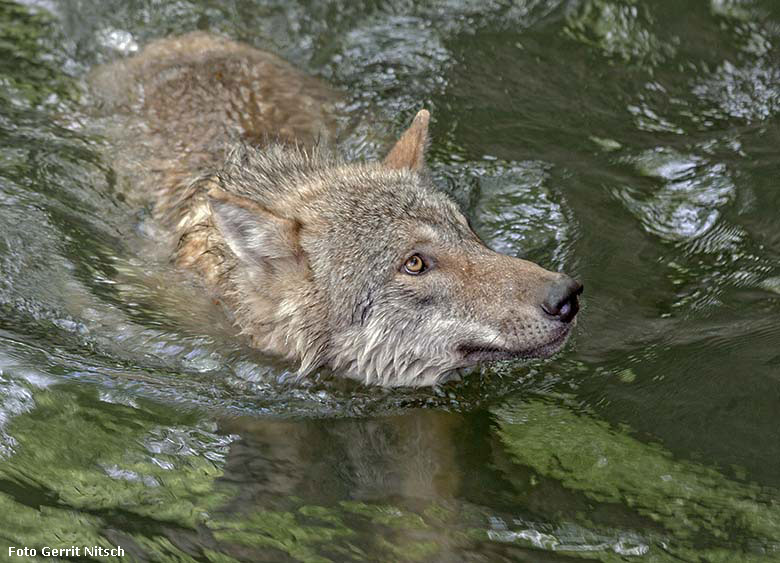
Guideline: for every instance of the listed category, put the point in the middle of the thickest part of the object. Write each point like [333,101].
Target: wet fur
[304,249]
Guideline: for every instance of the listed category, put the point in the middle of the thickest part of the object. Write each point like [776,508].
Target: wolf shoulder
[191,87]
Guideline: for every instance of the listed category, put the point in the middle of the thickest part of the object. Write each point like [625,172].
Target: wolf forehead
[352,201]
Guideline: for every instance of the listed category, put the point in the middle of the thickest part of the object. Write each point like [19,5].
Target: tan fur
[409,151]
[307,251]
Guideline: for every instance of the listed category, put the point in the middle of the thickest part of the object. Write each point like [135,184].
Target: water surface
[632,144]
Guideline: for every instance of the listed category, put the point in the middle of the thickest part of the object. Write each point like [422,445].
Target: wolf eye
[414,265]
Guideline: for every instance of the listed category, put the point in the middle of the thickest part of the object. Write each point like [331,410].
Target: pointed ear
[253,233]
[409,151]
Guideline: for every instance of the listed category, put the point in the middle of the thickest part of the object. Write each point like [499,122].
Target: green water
[633,144]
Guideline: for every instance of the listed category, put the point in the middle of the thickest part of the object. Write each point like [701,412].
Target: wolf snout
[562,301]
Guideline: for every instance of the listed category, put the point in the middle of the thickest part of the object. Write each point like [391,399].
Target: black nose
[561,301]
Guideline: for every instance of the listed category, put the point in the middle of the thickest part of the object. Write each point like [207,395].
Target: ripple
[647,119]
[118,40]
[567,537]
[750,92]
[399,55]
[771,284]
[686,199]
[741,10]
[619,30]
[184,441]
[15,399]
[513,206]
[117,473]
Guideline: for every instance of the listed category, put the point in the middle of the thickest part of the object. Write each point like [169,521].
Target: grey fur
[307,251]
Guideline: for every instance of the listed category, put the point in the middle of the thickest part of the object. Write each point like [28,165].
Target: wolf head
[369,269]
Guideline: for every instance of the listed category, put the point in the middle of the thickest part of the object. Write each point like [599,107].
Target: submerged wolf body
[362,267]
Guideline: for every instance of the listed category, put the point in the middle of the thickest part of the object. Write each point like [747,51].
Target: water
[634,144]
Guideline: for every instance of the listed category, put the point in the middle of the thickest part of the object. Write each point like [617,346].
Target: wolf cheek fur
[363,267]
[314,253]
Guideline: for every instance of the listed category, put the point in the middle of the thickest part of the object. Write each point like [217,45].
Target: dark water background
[633,144]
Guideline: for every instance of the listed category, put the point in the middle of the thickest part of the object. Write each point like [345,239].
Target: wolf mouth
[476,353]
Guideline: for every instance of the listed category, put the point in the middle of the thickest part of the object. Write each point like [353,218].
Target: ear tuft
[253,233]
[409,151]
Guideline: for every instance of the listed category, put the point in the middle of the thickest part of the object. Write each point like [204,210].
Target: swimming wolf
[364,267]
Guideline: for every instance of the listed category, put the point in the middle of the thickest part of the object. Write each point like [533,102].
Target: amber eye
[414,265]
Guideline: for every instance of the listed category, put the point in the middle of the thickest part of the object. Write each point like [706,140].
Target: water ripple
[687,195]
[750,92]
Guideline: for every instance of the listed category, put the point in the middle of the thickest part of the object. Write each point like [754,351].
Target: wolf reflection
[406,456]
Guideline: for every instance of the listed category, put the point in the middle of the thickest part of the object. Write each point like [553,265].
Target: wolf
[362,267]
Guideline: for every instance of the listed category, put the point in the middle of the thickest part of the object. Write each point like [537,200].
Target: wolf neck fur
[265,175]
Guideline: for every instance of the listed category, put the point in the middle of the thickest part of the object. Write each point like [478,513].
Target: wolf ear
[253,233]
[409,151]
